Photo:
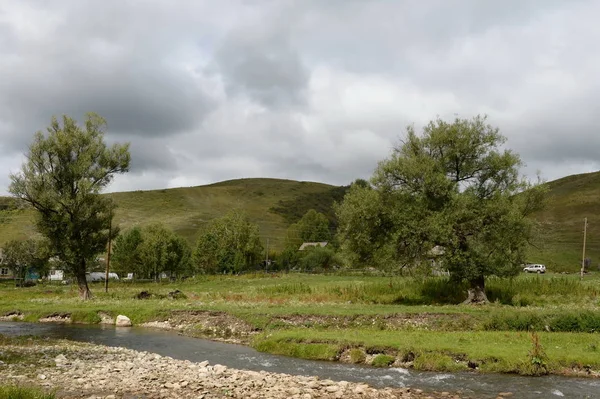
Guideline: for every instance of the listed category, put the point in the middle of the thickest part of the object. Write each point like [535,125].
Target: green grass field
[419,321]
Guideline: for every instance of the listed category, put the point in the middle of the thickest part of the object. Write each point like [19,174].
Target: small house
[434,256]
[5,271]
[56,275]
[306,245]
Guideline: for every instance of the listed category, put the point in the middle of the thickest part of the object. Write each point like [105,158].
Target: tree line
[227,245]
[450,193]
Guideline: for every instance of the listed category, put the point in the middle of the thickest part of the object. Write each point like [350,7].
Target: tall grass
[536,320]
[522,291]
[287,289]
[539,290]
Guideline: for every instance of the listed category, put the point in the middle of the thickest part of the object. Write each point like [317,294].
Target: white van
[94,276]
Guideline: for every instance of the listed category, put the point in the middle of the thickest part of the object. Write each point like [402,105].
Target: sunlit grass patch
[450,351]
[23,392]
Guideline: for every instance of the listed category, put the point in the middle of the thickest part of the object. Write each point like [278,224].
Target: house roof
[436,251]
[312,244]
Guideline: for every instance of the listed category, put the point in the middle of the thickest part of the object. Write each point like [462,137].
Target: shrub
[522,321]
[565,322]
[382,360]
[537,358]
[590,322]
[311,351]
[319,258]
[437,362]
[357,356]
[571,322]
[442,290]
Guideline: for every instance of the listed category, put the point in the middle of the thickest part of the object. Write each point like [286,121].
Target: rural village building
[306,245]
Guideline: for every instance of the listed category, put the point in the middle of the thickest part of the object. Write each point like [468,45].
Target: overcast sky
[308,90]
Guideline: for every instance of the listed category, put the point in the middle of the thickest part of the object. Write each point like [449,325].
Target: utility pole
[267,257]
[584,238]
[108,254]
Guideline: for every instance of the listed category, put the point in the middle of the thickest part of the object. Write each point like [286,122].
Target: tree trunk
[477,292]
[84,291]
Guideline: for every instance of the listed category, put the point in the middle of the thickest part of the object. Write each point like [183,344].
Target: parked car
[535,268]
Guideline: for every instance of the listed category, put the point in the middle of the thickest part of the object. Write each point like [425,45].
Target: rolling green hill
[274,204]
[271,203]
[570,200]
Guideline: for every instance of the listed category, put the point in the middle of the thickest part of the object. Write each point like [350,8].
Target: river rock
[61,360]
[85,369]
[219,368]
[361,389]
[123,321]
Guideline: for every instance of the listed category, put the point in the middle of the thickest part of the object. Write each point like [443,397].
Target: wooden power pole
[584,238]
[267,257]
[108,254]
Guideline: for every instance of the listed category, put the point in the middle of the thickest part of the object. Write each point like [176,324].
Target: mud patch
[57,318]
[164,325]
[106,318]
[177,295]
[12,316]
[146,295]
[384,322]
[217,326]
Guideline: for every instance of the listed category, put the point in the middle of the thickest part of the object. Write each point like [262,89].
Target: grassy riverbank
[372,320]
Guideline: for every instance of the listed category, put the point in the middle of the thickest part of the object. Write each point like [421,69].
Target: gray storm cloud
[207,91]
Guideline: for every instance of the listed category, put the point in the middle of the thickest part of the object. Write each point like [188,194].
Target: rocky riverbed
[85,371]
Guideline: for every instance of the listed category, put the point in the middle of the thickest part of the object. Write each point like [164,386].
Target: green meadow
[381,321]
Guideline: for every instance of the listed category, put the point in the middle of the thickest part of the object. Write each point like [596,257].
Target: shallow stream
[241,357]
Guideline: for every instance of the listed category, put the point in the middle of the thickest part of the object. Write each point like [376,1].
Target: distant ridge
[187,209]
[276,203]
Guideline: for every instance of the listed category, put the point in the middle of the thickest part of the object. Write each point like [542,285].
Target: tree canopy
[65,171]
[29,255]
[228,245]
[451,193]
[151,251]
[314,226]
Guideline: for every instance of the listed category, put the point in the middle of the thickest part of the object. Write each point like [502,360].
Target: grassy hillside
[274,204]
[186,210]
[570,200]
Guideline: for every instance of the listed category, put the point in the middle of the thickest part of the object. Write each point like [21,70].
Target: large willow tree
[65,171]
[452,188]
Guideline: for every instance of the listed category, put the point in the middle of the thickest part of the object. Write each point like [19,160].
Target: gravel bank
[86,370]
